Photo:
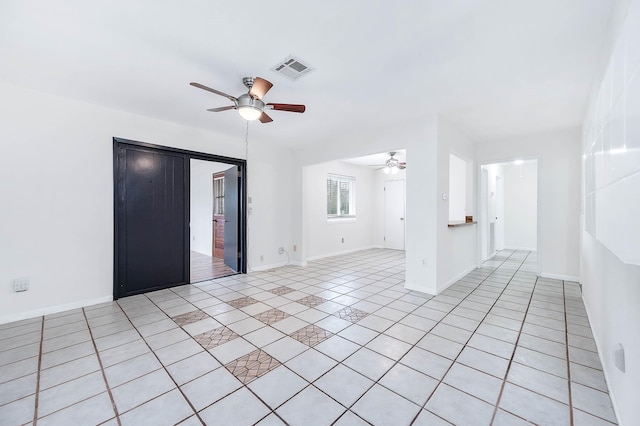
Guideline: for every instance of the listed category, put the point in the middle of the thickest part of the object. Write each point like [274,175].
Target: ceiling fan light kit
[249,108]
[250,105]
[390,169]
[393,165]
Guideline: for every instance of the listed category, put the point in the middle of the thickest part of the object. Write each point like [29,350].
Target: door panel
[151,226]
[218,236]
[218,216]
[394,214]
[231,246]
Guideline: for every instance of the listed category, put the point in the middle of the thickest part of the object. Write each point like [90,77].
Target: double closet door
[152,217]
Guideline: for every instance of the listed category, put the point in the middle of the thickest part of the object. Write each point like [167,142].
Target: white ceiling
[493,67]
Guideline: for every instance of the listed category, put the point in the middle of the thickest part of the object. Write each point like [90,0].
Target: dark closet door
[231,249]
[151,208]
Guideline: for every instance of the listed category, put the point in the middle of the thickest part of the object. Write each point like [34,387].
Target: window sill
[335,220]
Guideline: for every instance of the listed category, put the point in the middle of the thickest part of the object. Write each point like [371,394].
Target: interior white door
[394,214]
[499,227]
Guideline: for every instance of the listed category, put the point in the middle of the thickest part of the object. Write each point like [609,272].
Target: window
[218,190]
[341,200]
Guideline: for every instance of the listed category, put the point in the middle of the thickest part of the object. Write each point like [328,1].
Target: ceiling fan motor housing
[247,101]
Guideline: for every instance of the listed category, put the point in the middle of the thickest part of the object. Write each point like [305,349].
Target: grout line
[197,414]
[506,285]
[104,377]
[515,348]
[566,335]
[37,395]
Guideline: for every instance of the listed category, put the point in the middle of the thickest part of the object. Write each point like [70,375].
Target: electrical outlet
[295,247]
[261,258]
[21,284]
[343,240]
[281,250]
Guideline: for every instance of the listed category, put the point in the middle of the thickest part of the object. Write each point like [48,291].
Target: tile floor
[338,342]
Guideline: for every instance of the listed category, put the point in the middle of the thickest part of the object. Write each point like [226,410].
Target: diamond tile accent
[217,337]
[311,335]
[351,314]
[251,366]
[242,302]
[281,290]
[190,317]
[271,316]
[311,301]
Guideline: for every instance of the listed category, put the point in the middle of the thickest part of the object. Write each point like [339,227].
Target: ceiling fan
[392,165]
[250,105]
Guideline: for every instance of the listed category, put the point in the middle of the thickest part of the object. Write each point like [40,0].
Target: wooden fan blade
[219,109]
[260,88]
[287,107]
[217,92]
[264,118]
[402,166]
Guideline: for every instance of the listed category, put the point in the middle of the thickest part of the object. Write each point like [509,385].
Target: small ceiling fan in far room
[250,105]
[392,165]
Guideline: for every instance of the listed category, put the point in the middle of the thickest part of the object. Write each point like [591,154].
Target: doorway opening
[207,221]
[508,203]
[153,238]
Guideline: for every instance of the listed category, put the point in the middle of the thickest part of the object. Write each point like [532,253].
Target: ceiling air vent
[292,68]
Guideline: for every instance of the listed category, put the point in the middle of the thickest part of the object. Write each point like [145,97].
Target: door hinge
[239,173]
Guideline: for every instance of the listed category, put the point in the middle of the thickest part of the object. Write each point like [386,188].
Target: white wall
[457,247]
[558,155]
[521,205]
[324,238]
[611,232]
[201,204]
[56,173]
[271,186]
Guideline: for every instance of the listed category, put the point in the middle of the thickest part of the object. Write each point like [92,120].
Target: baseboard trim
[419,290]
[520,248]
[573,278]
[443,287]
[54,309]
[599,348]
[338,253]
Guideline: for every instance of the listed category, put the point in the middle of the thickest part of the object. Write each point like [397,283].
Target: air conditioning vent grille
[292,68]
